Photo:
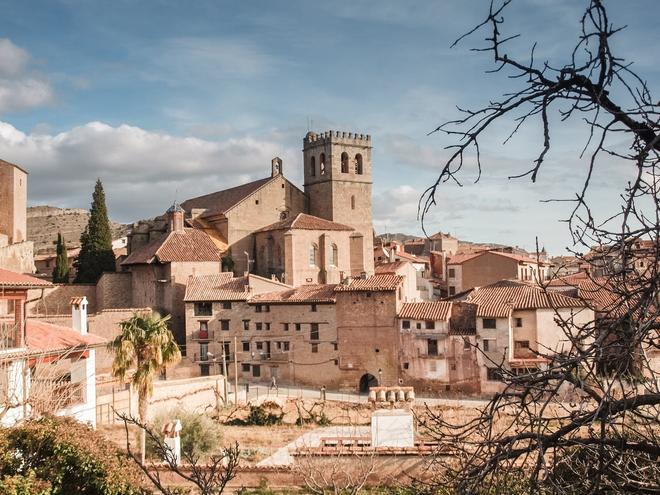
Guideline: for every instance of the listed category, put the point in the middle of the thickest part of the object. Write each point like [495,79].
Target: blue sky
[166,99]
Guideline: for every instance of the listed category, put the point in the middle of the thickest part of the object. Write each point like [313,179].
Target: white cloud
[142,171]
[20,88]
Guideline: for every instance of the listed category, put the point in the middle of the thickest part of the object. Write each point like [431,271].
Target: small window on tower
[358,164]
[352,202]
[312,166]
[344,163]
[322,164]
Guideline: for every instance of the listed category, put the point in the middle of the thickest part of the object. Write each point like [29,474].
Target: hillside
[44,222]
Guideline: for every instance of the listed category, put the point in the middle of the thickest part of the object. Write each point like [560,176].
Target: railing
[203,335]
[432,355]
[9,336]
[216,358]
[524,353]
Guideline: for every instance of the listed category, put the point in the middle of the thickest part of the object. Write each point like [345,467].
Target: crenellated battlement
[315,139]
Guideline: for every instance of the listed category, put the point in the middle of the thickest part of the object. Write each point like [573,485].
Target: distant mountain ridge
[44,222]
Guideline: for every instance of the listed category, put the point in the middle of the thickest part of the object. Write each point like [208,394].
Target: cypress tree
[96,254]
[61,270]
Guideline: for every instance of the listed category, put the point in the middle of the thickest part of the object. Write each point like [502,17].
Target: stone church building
[321,234]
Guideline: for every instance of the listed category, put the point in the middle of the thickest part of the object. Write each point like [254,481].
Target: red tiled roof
[46,338]
[499,299]
[218,287]
[434,310]
[220,201]
[385,282]
[302,221]
[392,267]
[597,291]
[411,257]
[14,279]
[316,293]
[458,259]
[189,245]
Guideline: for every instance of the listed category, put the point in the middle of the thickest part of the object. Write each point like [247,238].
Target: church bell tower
[338,184]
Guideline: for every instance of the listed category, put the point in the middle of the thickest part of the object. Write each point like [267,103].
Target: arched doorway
[367,381]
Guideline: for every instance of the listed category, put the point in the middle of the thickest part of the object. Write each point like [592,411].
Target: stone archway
[366,382]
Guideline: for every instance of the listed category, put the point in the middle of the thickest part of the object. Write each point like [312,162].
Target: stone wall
[17,257]
[114,290]
[56,300]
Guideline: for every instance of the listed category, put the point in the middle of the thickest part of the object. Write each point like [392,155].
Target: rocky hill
[44,222]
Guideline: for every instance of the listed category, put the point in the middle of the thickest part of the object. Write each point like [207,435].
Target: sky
[167,100]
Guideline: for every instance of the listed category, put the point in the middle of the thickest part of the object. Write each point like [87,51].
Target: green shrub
[264,414]
[199,433]
[60,456]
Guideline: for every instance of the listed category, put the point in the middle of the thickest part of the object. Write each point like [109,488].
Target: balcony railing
[432,355]
[217,358]
[202,335]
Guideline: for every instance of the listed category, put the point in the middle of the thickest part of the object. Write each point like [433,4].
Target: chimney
[175,218]
[276,166]
[79,314]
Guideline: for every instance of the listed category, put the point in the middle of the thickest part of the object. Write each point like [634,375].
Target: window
[521,344]
[358,164]
[285,346]
[314,331]
[352,202]
[259,346]
[333,255]
[267,326]
[203,309]
[256,370]
[344,163]
[312,167]
[489,323]
[285,327]
[313,253]
[488,345]
[204,369]
[204,352]
[493,375]
[466,345]
[406,366]
[257,308]
[418,325]
[405,324]
[259,326]
[335,346]
[203,328]
[429,325]
[226,305]
[267,308]
[224,324]
[519,322]
[246,324]
[298,327]
[315,348]
[245,368]
[432,346]
[322,164]
[451,272]
[246,346]
[452,290]
[313,308]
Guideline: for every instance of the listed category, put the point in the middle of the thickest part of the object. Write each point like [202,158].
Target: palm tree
[146,343]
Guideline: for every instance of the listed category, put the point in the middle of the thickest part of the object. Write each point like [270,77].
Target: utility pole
[235,371]
[224,371]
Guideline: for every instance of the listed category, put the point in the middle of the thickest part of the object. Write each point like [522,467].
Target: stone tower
[338,184]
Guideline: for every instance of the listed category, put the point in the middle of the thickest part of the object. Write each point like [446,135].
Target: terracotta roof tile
[499,299]
[597,291]
[316,293]
[433,310]
[42,337]
[390,267]
[302,221]
[220,201]
[15,279]
[458,259]
[218,287]
[375,283]
[189,245]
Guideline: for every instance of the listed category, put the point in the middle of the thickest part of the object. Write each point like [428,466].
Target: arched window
[358,164]
[352,202]
[312,167]
[333,255]
[313,254]
[322,164]
[344,163]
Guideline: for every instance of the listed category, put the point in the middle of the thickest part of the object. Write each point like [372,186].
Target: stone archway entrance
[366,382]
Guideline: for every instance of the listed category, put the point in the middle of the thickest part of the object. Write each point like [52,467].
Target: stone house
[466,271]
[160,269]
[516,325]
[439,346]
